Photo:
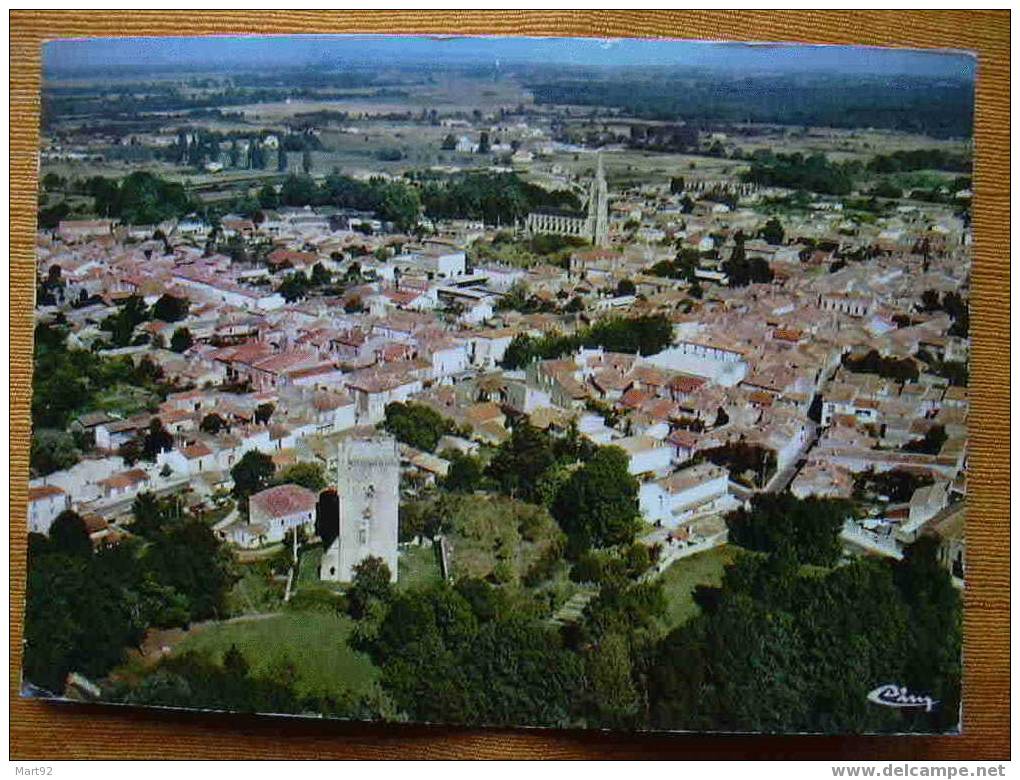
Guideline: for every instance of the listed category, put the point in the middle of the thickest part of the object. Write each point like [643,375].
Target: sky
[234,51]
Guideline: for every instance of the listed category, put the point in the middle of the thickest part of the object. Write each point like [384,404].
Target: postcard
[532,382]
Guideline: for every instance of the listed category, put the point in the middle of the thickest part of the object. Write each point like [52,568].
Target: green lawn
[680,579]
[255,591]
[308,565]
[418,567]
[315,641]
[124,400]
[487,531]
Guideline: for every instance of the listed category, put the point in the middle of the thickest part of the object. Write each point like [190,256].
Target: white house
[488,347]
[683,494]
[273,512]
[373,390]
[44,504]
[449,357]
[646,455]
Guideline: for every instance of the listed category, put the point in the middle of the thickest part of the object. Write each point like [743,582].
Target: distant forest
[942,108]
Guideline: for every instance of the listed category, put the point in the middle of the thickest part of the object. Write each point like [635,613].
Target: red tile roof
[283,500]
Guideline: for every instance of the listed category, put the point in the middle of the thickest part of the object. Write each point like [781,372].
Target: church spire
[599,206]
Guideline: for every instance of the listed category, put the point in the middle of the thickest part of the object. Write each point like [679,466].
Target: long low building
[684,494]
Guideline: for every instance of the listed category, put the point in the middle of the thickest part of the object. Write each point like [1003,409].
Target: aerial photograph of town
[573,383]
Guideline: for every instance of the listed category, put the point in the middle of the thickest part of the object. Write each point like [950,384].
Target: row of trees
[782,648]
[85,608]
[141,198]
[790,641]
[645,335]
[67,381]
[815,173]
[495,198]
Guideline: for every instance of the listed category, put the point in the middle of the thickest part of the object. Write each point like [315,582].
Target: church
[368,485]
[593,227]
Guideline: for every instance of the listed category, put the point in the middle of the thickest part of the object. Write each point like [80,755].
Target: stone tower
[598,207]
[368,484]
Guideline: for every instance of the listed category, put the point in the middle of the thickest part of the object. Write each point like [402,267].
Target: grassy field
[680,579]
[315,641]
[498,536]
[308,566]
[255,592]
[123,400]
[419,567]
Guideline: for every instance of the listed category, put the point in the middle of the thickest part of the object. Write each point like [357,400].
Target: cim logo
[891,695]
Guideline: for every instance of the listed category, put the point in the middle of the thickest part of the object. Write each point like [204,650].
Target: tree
[598,504]
[320,276]
[76,620]
[294,287]
[371,583]
[521,460]
[484,146]
[931,443]
[626,287]
[121,326]
[773,232]
[615,699]
[900,369]
[170,308]
[299,190]
[743,270]
[486,667]
[307,475]
[268,197]
[401,205]
[281,159]
[52,451]
[155,439]
[418,519]
[190,559]
[152,515]
[252,473]
[465,472]
[263,413]
[306,162]
[807,529]
[416,424]
[449,143]
[212,423]
[69,535]
[181,340]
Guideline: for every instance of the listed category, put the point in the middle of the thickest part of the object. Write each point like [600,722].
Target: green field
[308,565]
[314,641]
[419,567]
[498,536]
[255,591]
[680,579]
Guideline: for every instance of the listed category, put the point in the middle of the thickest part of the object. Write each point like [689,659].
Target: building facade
[368,483]
[593,227]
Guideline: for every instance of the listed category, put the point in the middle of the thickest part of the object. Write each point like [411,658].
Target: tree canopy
[598,503]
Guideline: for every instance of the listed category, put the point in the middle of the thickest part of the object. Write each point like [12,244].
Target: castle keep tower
[368,483]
